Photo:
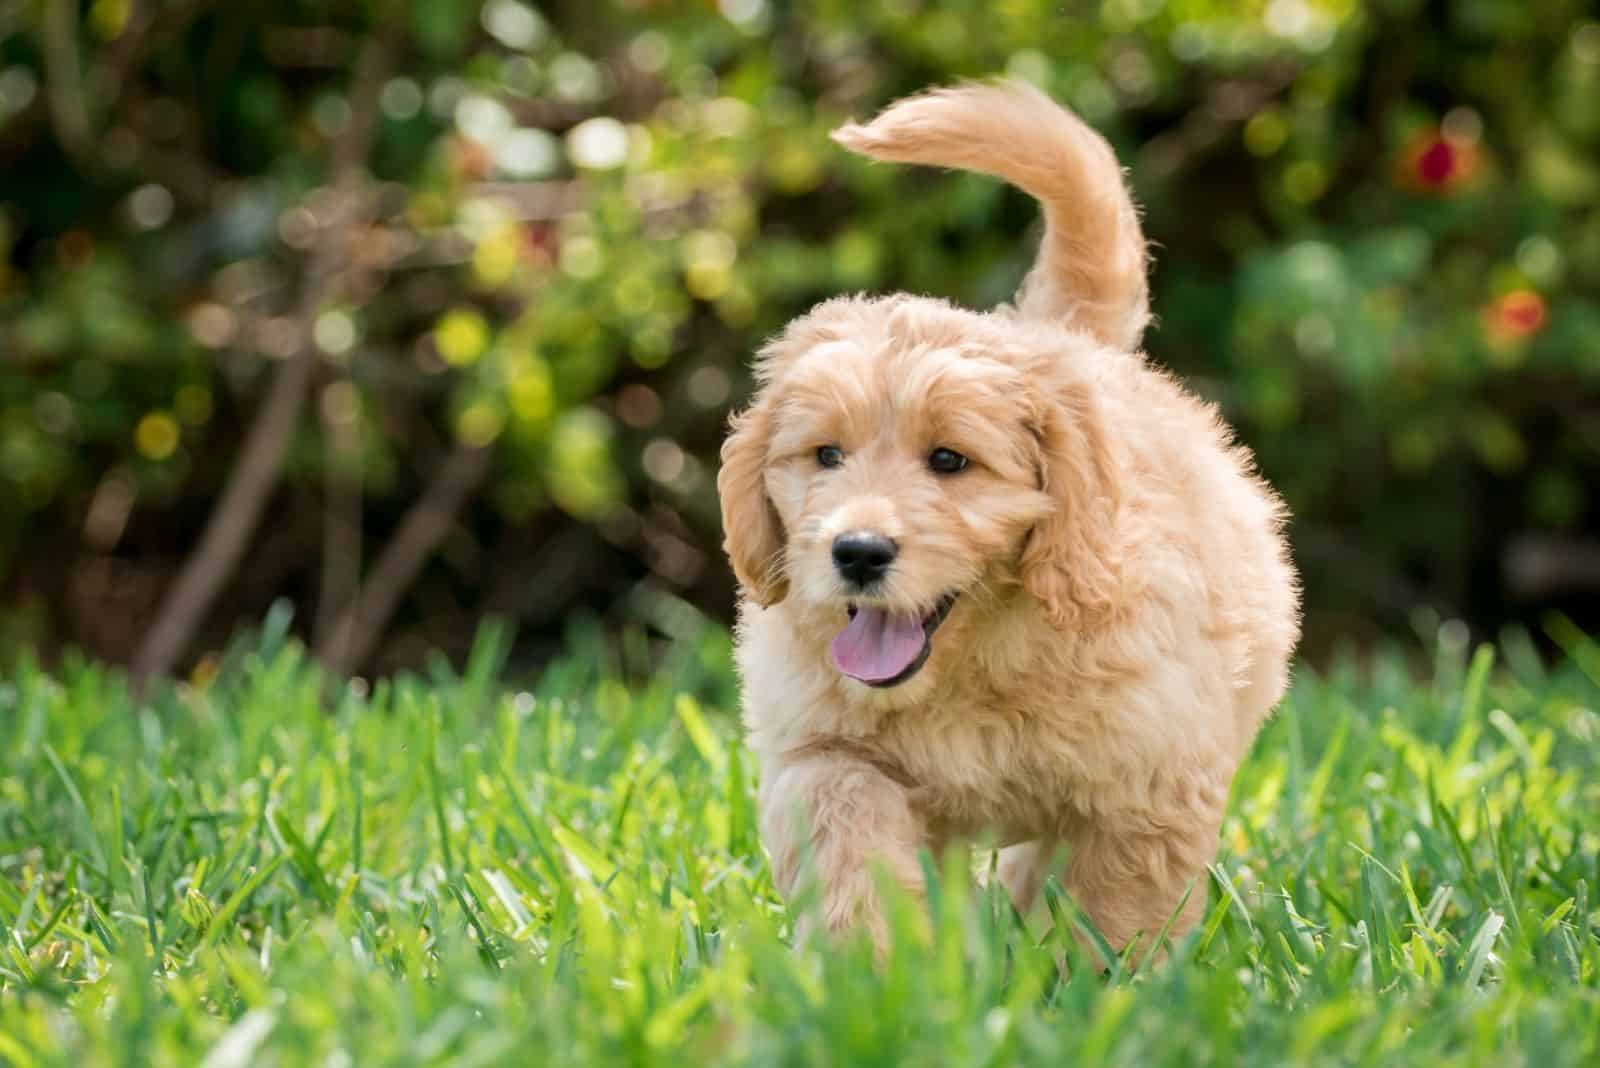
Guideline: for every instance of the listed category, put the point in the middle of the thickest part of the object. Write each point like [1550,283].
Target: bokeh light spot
[600,143]
[706,281]
[709,386]
[1462,125]
[1540,259]
[494,260]
[334,332]
[193,405]
[331,114]
[483,119]
[108,18]
[401,99]
[726,116]
[528,153]
[635,294]
[278,337]
[530,390]
[575,78]
[156,436]
[211,324]
[513,24]
[150,206]
[582,478]
[581,256]
[340,403]
[479,424]
[1304,181]
[649,52]
[662,460]
[1314,335]
[652,346]
[53,411]
[461,336]
[1266,132]
[746,14]
[638,405]
[17,88]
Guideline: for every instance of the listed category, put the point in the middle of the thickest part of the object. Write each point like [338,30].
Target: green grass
[447,871]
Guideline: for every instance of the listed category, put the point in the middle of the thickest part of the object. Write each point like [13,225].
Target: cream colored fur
[1127,608]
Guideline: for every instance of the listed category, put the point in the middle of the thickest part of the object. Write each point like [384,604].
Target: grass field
[448,870]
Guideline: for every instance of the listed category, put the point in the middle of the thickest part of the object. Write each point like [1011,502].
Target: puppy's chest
[986,770]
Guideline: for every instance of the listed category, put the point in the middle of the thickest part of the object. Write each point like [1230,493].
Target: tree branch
[237,514]
[424,527]
[341,516]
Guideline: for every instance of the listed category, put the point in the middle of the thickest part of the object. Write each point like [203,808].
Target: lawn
[262,869]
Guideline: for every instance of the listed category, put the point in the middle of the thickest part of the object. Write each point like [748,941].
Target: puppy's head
[907,470]
[910,470]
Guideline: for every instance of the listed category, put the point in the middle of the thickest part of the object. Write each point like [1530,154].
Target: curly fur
[1127,608]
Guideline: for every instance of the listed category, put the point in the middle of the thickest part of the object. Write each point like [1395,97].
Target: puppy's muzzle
[863,558]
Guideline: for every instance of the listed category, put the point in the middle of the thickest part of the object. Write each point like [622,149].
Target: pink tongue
[877,646]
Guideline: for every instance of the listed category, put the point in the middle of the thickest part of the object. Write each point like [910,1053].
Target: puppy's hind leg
[1131,881]
[1023,869]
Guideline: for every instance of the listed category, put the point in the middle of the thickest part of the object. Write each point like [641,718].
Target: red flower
[1514,316]
[1436,163]
[540,243]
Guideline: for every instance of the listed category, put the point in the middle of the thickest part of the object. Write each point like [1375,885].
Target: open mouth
[883,648]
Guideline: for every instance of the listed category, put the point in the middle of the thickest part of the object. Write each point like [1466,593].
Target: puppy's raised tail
[1091,269]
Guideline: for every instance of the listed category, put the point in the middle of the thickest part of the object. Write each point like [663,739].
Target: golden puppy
[999,574]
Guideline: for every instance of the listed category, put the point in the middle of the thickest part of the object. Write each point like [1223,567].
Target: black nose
[863,558]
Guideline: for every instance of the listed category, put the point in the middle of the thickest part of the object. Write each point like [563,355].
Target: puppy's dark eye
[830,456]
[946,461]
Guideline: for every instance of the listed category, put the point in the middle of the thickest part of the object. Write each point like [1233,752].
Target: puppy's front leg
[854,818]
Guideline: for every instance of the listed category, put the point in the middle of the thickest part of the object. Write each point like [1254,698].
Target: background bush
[519,256]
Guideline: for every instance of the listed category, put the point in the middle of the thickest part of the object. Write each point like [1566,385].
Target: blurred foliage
[1378,237]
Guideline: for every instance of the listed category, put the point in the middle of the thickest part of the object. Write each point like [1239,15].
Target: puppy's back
[1091,269]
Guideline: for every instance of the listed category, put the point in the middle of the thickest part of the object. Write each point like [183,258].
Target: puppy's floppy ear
[753,534]
[1072,560]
